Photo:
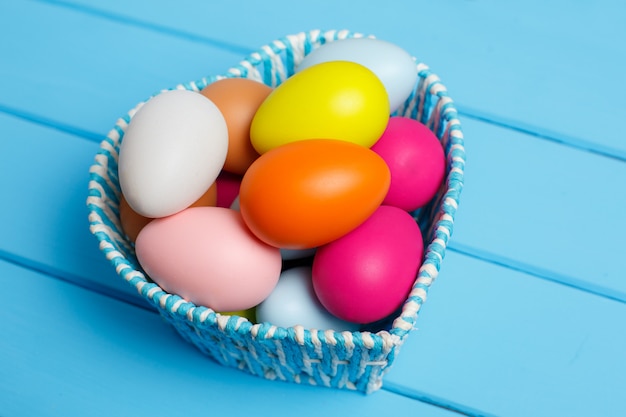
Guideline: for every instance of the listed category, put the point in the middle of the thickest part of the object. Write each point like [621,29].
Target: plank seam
[53,124]
[75,280]
[541,133]
[433,400]
[153,27]
[538,272]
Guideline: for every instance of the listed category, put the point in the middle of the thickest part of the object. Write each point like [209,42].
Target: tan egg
[238,99]
[132,222]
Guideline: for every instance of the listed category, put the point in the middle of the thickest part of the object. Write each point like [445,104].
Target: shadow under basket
[348,360]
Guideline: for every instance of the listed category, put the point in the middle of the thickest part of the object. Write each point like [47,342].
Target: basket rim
[98,201]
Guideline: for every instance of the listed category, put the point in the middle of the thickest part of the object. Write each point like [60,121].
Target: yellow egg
[332,100]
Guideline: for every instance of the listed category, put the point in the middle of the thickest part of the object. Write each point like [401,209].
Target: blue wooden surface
[527,315]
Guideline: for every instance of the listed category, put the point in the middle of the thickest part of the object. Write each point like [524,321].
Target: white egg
[173,150]
[293,302]
[395,67]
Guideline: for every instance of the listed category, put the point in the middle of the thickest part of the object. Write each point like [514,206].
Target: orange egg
[305,194]
[132,222]
[238,99]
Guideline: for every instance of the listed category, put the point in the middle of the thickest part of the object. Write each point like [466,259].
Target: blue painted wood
[65,351]
[80,73]
[503,61]
[44,222]
[512,345]
[549,210]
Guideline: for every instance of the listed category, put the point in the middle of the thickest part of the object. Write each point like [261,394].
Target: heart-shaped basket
[351,360]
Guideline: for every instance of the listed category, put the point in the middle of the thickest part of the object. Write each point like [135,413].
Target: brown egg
[132,222]
[238,99]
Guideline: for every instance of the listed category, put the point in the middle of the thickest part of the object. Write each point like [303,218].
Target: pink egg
[207,256]
[367,274]
[416,160]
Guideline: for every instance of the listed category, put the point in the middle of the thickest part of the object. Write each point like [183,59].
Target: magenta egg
[367,274]
[415,159]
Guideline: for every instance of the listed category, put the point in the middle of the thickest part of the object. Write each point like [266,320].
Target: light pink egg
[367,274]
[415,159]
[207,256]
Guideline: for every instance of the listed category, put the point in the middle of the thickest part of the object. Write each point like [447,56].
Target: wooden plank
[79,73]
[547,209]
[547,68]
[512,345]
[69,352]
[43,219]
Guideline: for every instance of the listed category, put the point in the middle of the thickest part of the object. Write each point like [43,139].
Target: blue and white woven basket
[350,360]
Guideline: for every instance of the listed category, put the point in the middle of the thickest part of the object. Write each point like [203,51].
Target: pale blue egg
[395,67]
[293,302]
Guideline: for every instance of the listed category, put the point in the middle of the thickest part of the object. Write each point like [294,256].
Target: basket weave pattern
[351,360]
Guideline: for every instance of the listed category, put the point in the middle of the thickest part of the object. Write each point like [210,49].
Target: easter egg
[332,100]
[393,65]
[132,222]
[286,254]
[293,254]
[416,160]
[293,302]
[308,193]
[238,100]
[249,314]
[172,151]
[227,188]
[209,257]
[367,274]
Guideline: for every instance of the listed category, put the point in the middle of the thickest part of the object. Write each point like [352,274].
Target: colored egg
[286,254]
[393,65]
[238,100]
[227,188]
[132,222]
[173,150]
[293,254]
[293,302]
[209,257]
[416,160]
[366,275]
[249,314]
[304,194]
[332,100]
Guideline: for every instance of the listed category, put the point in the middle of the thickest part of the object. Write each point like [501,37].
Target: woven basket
[350,360]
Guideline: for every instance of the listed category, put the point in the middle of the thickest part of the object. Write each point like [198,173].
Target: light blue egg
[395,67]
[293,302]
